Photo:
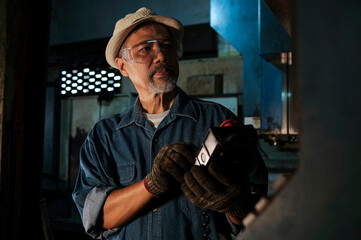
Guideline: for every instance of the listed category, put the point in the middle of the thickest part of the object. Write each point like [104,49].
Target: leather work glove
[222,187]
[169,167]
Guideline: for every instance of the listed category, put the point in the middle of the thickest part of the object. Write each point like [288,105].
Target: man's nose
[159,54]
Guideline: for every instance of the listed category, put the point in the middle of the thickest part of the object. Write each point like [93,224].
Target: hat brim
[112,50]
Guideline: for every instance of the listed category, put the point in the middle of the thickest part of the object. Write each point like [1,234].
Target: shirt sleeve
[93,210]
[90,192]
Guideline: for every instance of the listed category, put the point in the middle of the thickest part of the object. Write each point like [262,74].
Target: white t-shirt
[156,118]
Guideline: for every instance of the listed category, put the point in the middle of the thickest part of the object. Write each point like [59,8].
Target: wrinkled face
[160,72]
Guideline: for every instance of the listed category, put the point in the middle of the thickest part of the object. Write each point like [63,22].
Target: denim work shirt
[119,151]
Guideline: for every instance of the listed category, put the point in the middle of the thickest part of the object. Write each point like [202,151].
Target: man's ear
[120,63]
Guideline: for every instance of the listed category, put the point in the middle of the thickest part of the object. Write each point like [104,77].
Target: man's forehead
[145,31]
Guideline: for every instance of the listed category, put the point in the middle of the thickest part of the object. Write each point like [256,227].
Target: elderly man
[137,177]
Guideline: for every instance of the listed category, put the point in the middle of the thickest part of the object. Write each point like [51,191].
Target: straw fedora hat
[125,25]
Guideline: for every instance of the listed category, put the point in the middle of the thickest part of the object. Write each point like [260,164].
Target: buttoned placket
[154,217]
[206,220]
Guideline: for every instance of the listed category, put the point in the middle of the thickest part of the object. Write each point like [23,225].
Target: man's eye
[144,50]
[168,46]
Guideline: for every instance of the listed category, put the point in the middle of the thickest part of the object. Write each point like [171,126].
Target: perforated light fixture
[87,81]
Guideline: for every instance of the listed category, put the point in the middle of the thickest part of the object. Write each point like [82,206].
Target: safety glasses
[146,51]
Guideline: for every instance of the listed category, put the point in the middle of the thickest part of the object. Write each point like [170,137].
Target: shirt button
[156,140]
[205,236]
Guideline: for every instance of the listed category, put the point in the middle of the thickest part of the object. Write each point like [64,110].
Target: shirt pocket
[126,173]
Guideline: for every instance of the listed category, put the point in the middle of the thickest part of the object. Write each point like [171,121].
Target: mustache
[161,66]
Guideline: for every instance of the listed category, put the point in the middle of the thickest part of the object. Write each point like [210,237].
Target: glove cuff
[146,186]
[152,187]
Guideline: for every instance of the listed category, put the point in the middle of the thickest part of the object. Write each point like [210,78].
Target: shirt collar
[183,106]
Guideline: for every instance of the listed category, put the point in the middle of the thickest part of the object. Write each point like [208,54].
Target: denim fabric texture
[119,151]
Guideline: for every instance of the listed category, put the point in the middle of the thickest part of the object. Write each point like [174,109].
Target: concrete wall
[229,67]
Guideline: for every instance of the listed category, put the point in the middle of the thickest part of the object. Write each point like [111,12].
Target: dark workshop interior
[289,68]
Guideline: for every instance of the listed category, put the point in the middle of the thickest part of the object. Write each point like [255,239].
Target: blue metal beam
[251,27]
[237,22]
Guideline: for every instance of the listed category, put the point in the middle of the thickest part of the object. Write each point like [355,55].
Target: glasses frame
[127,54]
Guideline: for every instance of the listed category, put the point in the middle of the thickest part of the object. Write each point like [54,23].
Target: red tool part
[229,123]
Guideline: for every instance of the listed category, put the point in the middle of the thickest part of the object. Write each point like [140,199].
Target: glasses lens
[145,51]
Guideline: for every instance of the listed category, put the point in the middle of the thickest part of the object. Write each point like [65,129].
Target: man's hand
[221,187]
[169,167]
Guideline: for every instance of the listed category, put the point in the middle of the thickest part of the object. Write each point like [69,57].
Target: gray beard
[168,84]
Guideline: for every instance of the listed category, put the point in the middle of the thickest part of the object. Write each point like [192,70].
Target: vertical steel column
[273,40]
[253,30]
[237,22]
